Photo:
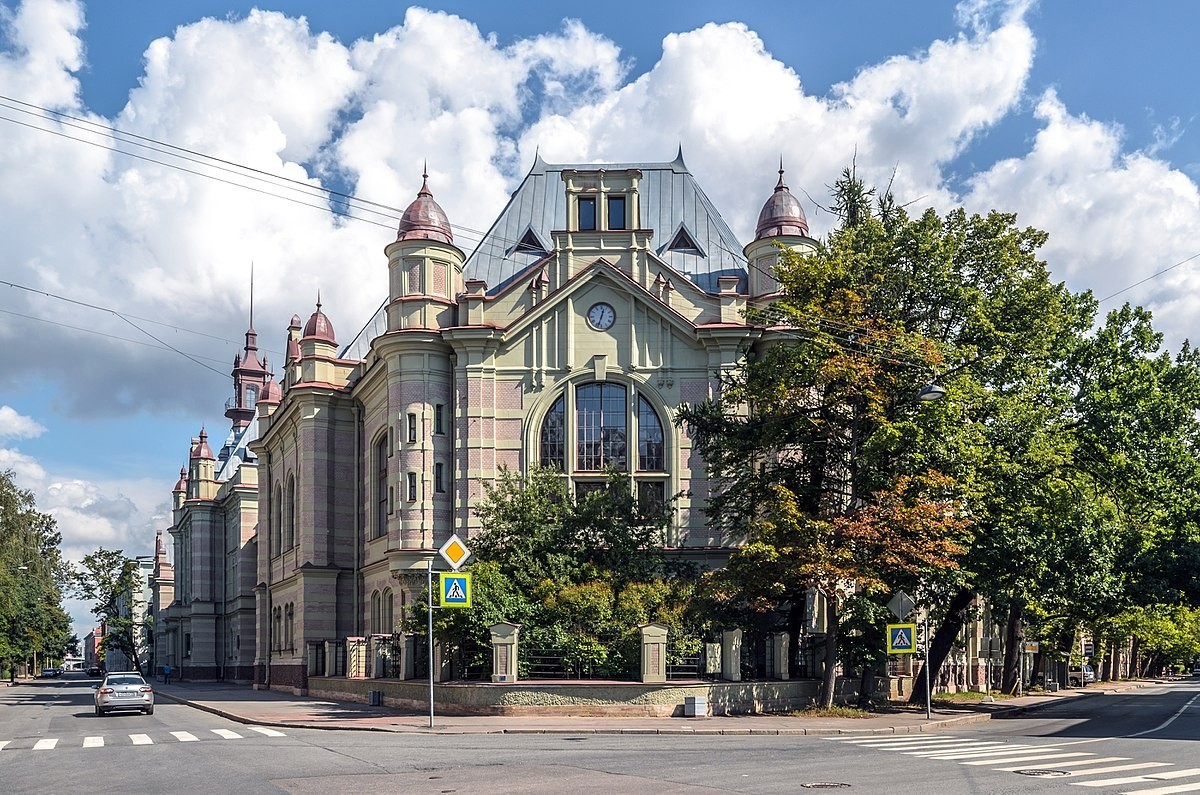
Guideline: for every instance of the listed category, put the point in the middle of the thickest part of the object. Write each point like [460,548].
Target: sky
[127,249]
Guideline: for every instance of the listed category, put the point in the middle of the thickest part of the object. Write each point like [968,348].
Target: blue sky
[1079,116]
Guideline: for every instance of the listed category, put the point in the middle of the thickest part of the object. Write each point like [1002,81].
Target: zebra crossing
[101,741]
[1064,762]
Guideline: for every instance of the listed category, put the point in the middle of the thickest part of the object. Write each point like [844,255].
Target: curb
[917,728]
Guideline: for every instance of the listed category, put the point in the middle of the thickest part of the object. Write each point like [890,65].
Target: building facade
[601,298]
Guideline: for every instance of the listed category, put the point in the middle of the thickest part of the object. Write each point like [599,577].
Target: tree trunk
[1135,657]
[942,642]
[829,674]
[1014,643]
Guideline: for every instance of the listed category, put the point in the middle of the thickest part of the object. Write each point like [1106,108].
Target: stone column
[504,651]
[654,652]
[731,655]
[779,655]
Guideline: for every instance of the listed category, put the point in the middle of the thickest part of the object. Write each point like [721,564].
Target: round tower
[781,221]
[424,267]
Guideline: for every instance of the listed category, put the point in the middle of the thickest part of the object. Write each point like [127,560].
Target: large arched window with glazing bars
[600,425]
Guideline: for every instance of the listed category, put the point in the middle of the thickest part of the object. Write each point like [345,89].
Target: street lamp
[931,392]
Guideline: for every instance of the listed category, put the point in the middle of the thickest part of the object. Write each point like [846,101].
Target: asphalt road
[1143,741]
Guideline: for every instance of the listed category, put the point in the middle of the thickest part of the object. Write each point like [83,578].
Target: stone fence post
[654,652]
[731,655]
[504,651]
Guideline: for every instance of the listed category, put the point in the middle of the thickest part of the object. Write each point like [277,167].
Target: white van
[1078,678]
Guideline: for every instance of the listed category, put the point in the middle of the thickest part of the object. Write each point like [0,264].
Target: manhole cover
[824,785]
[1042,773]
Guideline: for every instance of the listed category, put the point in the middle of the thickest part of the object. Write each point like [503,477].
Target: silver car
[126,690]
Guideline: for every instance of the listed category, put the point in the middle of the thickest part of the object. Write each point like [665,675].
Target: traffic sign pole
[429,610]
[928,702]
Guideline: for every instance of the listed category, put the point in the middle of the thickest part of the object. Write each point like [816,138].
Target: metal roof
[670,199]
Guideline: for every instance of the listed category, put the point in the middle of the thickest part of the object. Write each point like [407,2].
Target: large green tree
[32,619]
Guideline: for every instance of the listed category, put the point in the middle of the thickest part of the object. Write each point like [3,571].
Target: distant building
[601,298]
[134,605]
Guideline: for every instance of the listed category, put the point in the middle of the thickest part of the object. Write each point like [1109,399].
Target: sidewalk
[271,708]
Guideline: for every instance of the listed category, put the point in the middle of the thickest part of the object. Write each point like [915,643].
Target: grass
[835,711]
[968,697]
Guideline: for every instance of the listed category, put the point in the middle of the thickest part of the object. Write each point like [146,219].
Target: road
[1143,741]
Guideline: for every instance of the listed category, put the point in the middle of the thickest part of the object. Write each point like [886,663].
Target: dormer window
[587,213]
[616,212]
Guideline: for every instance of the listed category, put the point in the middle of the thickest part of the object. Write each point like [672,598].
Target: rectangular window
[412,486]
[652,497]
[412,428]
[587,213]
[439,478]
[616,212]
[439,420]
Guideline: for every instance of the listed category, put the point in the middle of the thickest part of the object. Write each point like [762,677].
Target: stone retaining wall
[579,699]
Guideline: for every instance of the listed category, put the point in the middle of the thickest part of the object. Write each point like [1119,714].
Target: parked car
[1084,677]
[124,690]
[51,672]
[93,670]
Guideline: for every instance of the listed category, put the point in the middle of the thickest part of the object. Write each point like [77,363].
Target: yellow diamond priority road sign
[454,552]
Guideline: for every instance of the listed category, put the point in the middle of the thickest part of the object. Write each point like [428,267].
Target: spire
[782,213]
[424,219]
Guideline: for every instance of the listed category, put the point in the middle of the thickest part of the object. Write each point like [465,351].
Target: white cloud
[14,425]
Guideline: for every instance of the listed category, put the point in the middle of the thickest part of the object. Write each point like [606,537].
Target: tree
[110,580]
[579,574]
[32,620]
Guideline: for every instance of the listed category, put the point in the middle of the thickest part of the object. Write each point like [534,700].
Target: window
[381,487]
[616,212]
[439,478]
[385,612]
[439,421]
[376,612]
[412,486]
[289,515]
[187,644]
[277,522]
[600,427]
[412,428]
[289,626]
[587,213]
[251,396]
[552,442]
[650,438]
[590,428]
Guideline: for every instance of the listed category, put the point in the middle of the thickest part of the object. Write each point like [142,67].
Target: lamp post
[929,393]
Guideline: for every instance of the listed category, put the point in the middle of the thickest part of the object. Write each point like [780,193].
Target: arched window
[588,429]
[277,522]
[289,517]
[552,441]
[381,487]
[385,612]
[289,631]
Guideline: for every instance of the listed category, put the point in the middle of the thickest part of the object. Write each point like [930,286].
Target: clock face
[601,316]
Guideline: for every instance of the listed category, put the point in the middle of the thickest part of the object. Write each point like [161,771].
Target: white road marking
[1032,756]
[991,752]
[908,738]
[1075,763]
[1148,778]
[1118,768]
[227,734]
[266,731]
[45,745]
[1167,790]
[1168,721]
[93,742]
[4,743]
[141,739]
[185,737]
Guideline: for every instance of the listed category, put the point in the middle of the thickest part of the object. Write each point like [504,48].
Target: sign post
[455,553]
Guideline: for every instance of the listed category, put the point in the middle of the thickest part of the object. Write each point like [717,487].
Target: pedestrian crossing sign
[456,589]
[901,638]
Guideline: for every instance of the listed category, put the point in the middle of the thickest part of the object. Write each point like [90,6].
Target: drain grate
[824,785]
[1042,773]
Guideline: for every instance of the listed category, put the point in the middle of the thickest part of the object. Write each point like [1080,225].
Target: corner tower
[781,221]
[424,267]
